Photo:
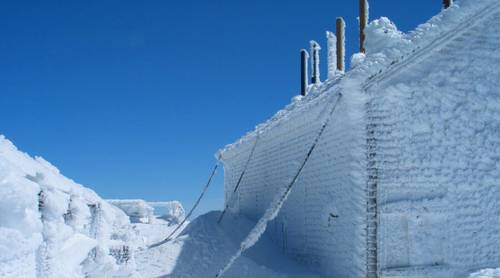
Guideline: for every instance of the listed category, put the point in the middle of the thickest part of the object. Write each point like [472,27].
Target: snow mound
[51,226]
[384,37]
[204,247]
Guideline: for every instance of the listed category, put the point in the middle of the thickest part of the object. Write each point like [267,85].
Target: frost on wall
[320,222]
[438,154]
[431,130]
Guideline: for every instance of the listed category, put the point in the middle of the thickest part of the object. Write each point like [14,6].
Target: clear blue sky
[133,98]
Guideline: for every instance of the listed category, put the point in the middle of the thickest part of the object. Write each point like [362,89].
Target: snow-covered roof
[387,51]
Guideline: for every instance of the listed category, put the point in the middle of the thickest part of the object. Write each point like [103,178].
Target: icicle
[332,54]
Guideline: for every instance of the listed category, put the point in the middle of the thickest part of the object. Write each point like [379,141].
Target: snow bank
[204,247]
[52,227]
[383,37]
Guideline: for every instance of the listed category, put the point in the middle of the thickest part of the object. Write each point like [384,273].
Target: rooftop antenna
[447,3]
[304,56]
[340,44]
[363,19]
[315,62]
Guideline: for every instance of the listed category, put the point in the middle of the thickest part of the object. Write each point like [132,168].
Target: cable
[169,237]
[239,181]
[276,206]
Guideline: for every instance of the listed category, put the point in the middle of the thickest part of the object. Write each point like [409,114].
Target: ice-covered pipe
[340,44]
[332,54]
[304,56]
[315,48]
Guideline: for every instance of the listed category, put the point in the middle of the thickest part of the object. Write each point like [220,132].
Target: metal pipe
[340,44]
[304,56]
[363,19]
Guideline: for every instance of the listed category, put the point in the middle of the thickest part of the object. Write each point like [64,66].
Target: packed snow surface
[204,247]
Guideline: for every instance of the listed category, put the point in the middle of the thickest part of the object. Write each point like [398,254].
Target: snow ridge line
[170,236]
[275,207]
[315,93]
[421,53]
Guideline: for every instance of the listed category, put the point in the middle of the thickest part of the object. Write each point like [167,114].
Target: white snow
[357,59]
[486,273]
[46,226]
[383,36]
[77,234]
[204,247]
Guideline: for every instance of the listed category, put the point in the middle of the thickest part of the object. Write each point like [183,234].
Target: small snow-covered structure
[139,211]
[405,181]
[171,211]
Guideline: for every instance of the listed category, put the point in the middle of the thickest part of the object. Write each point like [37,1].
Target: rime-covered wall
[322,221]
[438,156]
[418,123]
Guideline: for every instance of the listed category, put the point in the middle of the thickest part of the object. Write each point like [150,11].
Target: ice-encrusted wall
[322,222]
[437,125]
[423,139]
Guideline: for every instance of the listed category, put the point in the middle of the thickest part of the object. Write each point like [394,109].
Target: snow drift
[51,226]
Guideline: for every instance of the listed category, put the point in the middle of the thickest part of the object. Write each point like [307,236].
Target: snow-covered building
[405,180]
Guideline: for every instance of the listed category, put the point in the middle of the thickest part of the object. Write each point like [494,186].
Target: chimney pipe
[340,44]
[447,3]
[304,56]
[363,19]
[315,62]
